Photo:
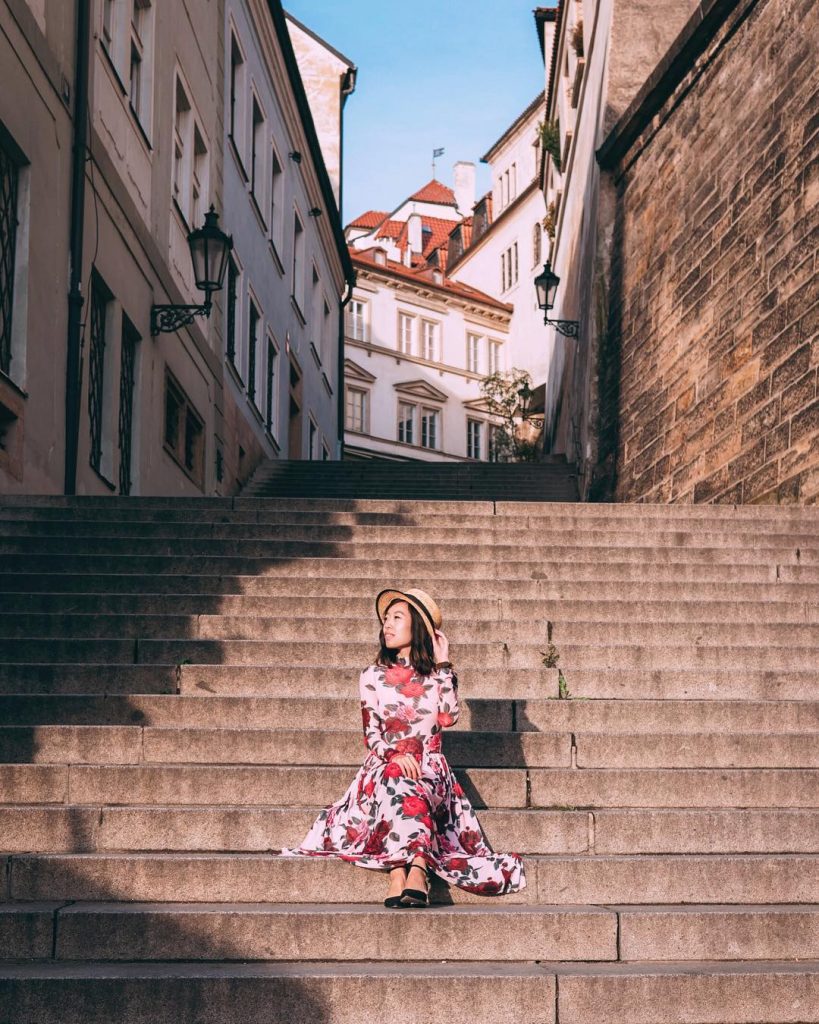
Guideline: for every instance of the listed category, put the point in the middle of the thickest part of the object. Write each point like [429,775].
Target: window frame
[179,451]
[355,389]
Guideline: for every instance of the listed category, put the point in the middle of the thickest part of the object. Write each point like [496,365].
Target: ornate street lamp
[210,248]
[546,287]
[525,394]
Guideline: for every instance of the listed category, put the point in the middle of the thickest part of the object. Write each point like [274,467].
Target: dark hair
[422,653]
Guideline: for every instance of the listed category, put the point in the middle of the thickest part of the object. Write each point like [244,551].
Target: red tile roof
[422,276]
[435,192]
[390,229]
[370,219]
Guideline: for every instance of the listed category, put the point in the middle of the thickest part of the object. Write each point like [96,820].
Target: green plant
[550,139]
[550,220]
[550,656]
[562,686]
[577,38]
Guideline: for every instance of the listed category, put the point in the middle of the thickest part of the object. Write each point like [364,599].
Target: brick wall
[708,371]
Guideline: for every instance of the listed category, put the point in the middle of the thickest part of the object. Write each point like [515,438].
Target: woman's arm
[371,718]
[449,708]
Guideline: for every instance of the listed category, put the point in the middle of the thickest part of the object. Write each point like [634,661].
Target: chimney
[464,187]
[414,235]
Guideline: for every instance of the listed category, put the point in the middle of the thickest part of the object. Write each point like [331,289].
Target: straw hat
[419,599]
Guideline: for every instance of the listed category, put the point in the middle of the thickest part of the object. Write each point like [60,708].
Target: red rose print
[393,771]
[486,888]
[470,840]
[395,725]
[458,789]
[434,743]
[412,805]
[410,745]
[365,715]
[412,689]
[458,864]
[425,819]
[397,674]
[369,788]
[444,718]
[375,844]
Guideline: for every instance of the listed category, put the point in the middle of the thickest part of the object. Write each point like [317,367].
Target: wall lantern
[546,287]
[525,393]
[209,247]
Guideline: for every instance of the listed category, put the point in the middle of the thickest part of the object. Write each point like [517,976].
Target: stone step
[468,579]
[481,531]
[300,786]
[356,932]
[488,715]
[631,607]
[369,992]
[70,550]
[84,828]
[133,744]
[476,657]
[556,879]
[286,680]
[293,627]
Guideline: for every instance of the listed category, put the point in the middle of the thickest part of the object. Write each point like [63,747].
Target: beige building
[90,401]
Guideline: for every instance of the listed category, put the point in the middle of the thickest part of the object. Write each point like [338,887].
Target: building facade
[113,120]
[417,342]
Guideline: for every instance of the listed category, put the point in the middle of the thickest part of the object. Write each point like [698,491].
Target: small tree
[500,391]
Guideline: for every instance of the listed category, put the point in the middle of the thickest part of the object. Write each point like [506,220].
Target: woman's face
[398,625]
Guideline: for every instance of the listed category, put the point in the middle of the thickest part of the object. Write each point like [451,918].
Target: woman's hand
[440,646]
[409,766]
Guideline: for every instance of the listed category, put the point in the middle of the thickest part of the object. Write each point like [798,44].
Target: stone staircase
[178,699]
[553,479]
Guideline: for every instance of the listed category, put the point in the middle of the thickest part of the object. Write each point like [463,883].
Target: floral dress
[385,818]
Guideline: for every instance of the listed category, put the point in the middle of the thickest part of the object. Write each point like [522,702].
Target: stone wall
[708,369]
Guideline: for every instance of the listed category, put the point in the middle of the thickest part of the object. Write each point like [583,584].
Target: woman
[405,811]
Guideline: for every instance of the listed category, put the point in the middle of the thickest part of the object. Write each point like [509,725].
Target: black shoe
[393,901]
[416,897]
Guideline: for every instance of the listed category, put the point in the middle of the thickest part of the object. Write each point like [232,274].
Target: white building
[417,342]
[290,268]
[499,250]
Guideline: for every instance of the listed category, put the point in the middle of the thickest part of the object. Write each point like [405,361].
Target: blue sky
[431,73]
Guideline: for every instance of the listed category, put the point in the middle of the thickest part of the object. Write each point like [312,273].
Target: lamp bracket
[170,318]
[568,328]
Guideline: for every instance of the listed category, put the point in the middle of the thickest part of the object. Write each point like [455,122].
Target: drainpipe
[73,378]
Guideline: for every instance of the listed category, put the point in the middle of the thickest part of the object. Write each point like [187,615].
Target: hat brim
[384,598]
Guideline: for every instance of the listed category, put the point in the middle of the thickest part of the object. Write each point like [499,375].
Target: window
[473,439]
[257,156]
[325,452]
[276,208]
[101,299]
[473,344]
[271,405]
[326,334]
[130,337]
[356,407]
[237,89]
[356,320]
[108,23]
[316,321]
[252,343]
[190,161]
[509,267]
[406,422]
[513,182]
[537,236]
[9,187]
[230,327]
[429,428]
[313,444]
[494,356]
[184,431]
[430,339]
[298,262]
[199,181]
[406,326]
